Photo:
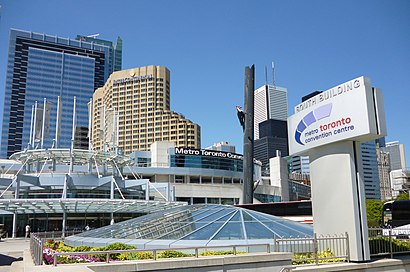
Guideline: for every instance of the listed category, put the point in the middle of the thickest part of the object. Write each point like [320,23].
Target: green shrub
[142,255]
[102,257]
[214,253]
[173,254]
[119,246]
[61,247]
[382,245]
[81,249]
[300,258]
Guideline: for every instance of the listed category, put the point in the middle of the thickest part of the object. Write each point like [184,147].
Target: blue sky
[207,44]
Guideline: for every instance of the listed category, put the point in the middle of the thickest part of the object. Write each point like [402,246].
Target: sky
[206,45]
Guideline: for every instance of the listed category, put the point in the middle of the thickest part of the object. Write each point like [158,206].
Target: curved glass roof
[194,225]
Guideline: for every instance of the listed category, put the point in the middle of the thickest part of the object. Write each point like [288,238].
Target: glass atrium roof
[87,205]
[194,225]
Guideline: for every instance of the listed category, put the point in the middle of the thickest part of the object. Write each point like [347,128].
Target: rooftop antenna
[266,75]
[273,76]
[94,36]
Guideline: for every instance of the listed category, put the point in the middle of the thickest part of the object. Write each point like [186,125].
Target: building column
[147,191]
[16,196]
[64,223]
[112,188]
[14,231]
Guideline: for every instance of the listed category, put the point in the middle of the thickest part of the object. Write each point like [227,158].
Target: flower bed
[51,247]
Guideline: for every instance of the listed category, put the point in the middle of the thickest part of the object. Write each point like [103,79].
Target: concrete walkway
[12,251]
[15,257]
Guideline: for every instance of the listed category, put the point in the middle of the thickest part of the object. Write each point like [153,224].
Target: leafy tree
[403,196]
[374,210]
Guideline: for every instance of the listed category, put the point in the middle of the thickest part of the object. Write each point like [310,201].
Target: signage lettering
[207,153]
[134,78]
[328,94]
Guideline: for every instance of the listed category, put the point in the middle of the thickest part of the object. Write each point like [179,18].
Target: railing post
[268,248]
[274,243]
[347,247]
[196,252]
[40,253]
[234,250]
[154,253]
[108,257]
[391,242]
[315,248]
[55,259]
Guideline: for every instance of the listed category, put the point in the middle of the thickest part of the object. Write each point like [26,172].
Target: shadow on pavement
[7,260]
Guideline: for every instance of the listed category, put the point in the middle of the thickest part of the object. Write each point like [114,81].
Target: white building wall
[271,105]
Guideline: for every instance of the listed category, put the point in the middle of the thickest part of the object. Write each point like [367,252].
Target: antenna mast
[273,76]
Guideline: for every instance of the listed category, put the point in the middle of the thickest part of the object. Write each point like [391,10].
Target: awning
[50,206]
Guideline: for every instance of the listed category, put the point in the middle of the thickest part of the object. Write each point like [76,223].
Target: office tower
[299,164]
[397,156]
[370,170]
[44,66]
[270,124]
[273,137]
[115,51]
[271,102]
[132,111]
[222,146]
[383,161]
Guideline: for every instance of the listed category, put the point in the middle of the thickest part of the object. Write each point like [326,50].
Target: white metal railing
[315,249]
[308,249]
[389,241]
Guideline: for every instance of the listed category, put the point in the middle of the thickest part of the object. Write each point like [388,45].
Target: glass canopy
[194,225]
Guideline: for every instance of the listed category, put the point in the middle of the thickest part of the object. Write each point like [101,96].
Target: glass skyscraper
[115,51]
[370,170]
[270,124]
[42,67]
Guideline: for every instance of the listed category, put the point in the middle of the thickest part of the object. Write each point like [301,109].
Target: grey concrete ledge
[396,265]
[191,263]
[272,261]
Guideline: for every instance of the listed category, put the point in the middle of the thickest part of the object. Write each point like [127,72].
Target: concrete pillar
[338,198]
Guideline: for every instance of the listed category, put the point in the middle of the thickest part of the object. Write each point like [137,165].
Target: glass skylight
[195,225]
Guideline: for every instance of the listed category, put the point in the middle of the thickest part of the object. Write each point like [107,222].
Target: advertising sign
[348,111]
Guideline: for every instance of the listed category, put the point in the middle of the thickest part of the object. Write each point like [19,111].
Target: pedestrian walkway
[12,250]
[15,257]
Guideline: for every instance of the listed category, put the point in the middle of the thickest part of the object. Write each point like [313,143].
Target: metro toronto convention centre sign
[346,112]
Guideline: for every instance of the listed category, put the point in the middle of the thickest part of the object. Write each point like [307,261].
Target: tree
[403,196]
[374,210]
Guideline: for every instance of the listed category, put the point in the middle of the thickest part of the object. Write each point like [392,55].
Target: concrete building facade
[383,161]
[132,111]
[271,102]
[397,155]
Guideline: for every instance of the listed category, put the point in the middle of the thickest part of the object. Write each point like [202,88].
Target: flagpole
[72,140]
[43,124]
[58,122]
[90,112]
[34,126]
[31,128]
[73,131]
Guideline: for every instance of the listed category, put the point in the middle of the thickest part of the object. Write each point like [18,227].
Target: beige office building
[132,111]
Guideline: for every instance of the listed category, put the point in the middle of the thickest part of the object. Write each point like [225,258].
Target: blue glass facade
[52,74]
[205,162]
[370,170]
[43,66]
